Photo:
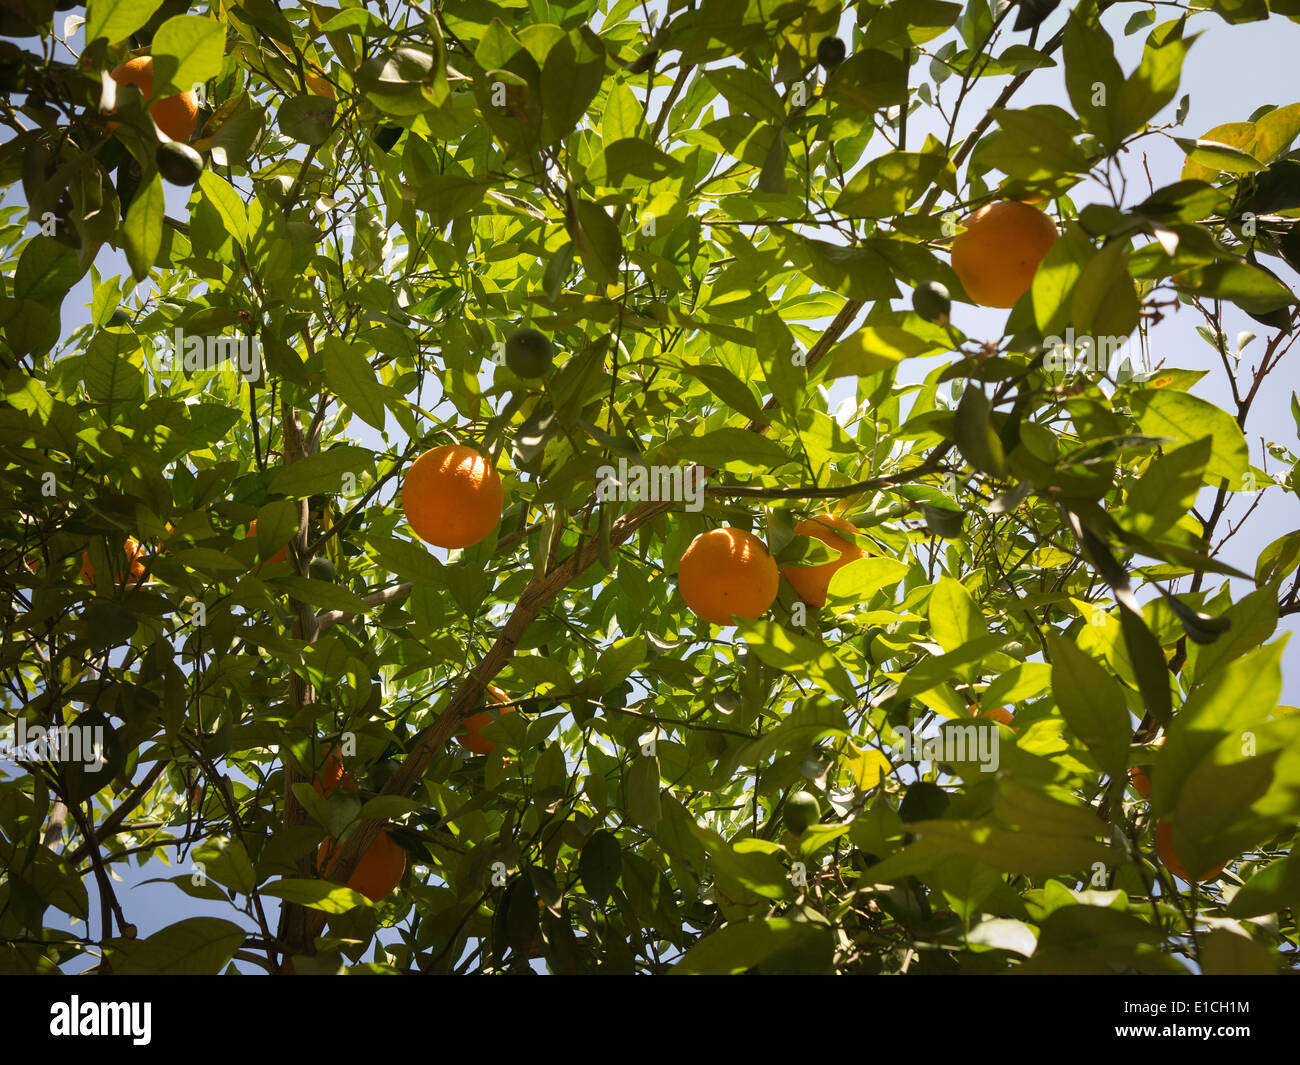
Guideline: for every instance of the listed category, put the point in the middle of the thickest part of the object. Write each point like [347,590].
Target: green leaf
[196,946]
[219,196]
[277,522]
[643,806]
[386,807]
[571,77]
[1227,703]
[1092,703]
[316,894]
[810,722]
[1185,418]
[116,20]
[859,273]
[1272,888]
[1004,933]
[771,177]
[1104,301]
[738,947]
[322,594]
[407,560]
[786,376]
[1149,663]
[1023,851]
[1275,131]
[875,348]
[320,473]
[918,21]
[1216,156]
[955,618]
[1167,490]
[889,184]
[109,625]
[348,373]
[864,577]
[1089,63]
[226,861]
[600,865]
[307,119]
[1279,559]
[1055,279]
[47,268]
[728,387]
[622,116]
[234,139]
[598,241]
[1249,287]
[634,159]
[779,647]
[1033,146]
[142,230]
[187,51]
[620,660]
[976,438]
[1228,953]
[749,92]
[521,914]
[738,448]
[749,863]
[1155,82]
[868,80]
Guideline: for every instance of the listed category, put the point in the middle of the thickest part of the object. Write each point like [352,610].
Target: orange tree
[712,225]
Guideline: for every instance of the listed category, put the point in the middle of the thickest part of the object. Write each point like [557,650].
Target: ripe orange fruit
[175,115]
[998,253]
[134,560]
[1142,782]
[452,496]
[1165,848]
[728,571]
[379,871]
[813,582]
[1000,714]
[280,556]
[473,740]
[318,84]
[332,775]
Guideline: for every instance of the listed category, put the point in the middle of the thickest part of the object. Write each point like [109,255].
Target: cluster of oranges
[1141,781]
[382,866]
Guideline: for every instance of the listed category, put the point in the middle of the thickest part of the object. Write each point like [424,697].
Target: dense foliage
[716,231]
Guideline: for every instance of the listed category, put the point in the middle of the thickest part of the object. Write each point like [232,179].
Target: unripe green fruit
[802,811]
[931,301]
[322,569]
[831,52]
[380,773]
[178,163]
[528,353]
